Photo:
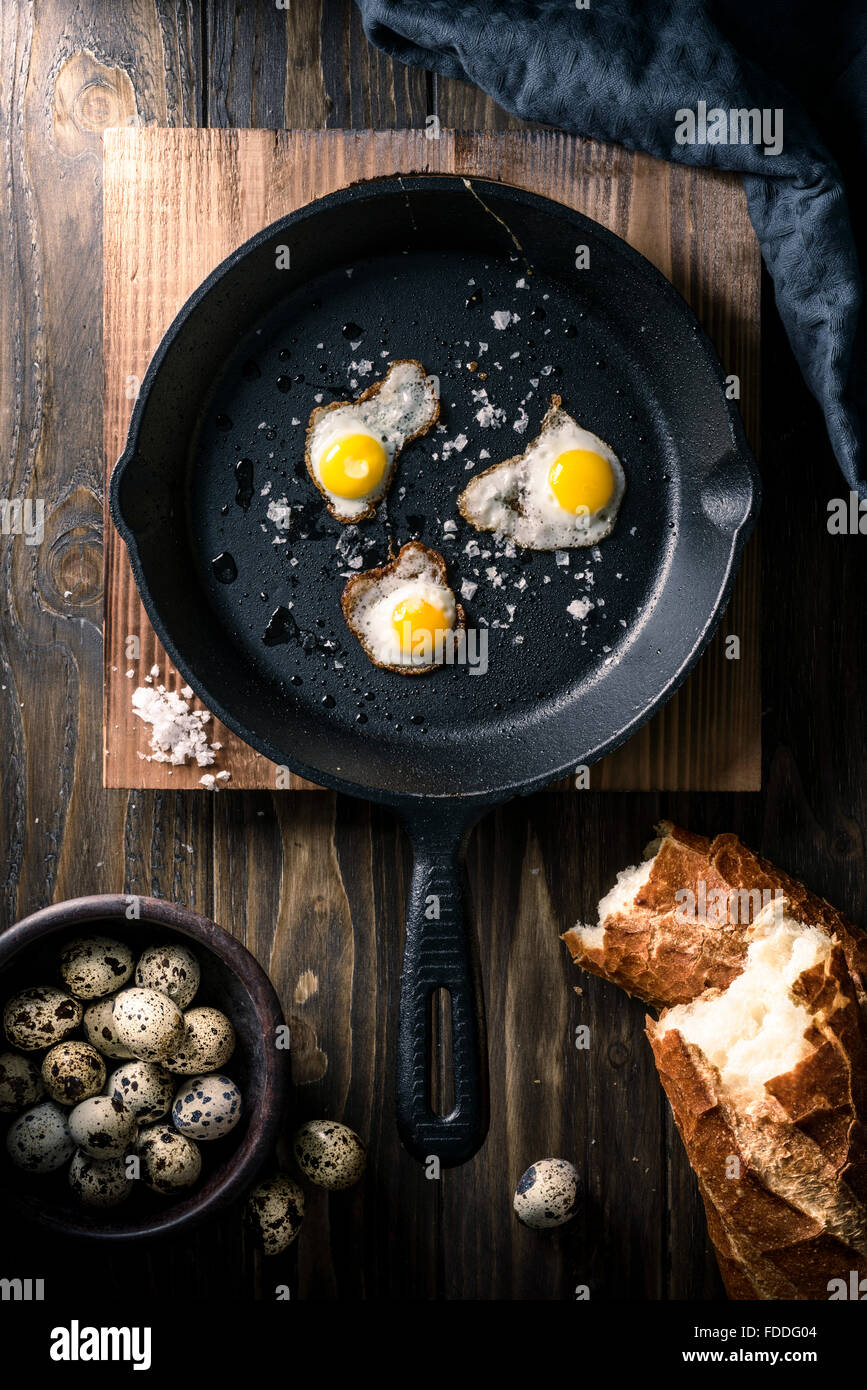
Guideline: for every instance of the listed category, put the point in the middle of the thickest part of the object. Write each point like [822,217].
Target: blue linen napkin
[629,72]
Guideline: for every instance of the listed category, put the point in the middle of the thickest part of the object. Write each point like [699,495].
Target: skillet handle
[439,953]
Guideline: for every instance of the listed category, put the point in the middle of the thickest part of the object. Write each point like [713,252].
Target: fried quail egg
[275,1211]
[404,614]
[149,1023]
[94,966]
[329,1154]
[39,1140]
[207,1107]
[100,1031]
[547,1194]
[72,1071]
[169,1161]
[99,1182]
[39,1017]
[145,1088]
[102,1126]
[564,490]
[172,969]
[352,446]
[20,1082]
[208,1042]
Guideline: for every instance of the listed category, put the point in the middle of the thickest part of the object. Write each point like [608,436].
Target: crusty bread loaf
[643,944]
[762,1050]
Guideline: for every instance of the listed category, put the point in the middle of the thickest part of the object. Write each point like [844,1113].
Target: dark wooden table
[334,871]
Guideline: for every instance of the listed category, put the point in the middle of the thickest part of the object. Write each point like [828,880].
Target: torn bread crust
[644,945]
[784,1176]
[372,390]
[360,584]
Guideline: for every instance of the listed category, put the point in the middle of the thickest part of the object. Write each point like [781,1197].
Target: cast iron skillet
[416,267]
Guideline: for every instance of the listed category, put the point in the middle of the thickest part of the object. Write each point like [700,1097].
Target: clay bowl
[232,981]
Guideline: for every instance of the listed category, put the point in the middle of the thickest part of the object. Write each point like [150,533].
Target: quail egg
[329,1154]
[20,1082]
[99,1182]
[352,446]
[102,1126]
[207,1107]
[172,969]
[72,1071]
[275,1211]
[564,490]
[169,1161]
[39,1017]
[94,966]
[403,613]
[208,1043]
[100,1030]
[149,1023]
[548,1194]
[39,1140]
[145,1088]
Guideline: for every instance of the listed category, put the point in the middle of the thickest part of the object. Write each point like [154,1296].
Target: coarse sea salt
[579,608]
[177,732]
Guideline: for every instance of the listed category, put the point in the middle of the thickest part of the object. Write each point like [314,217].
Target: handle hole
[442,1072]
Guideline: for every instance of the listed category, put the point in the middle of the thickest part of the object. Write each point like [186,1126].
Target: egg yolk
[415,620]
[353,466]
[581,481]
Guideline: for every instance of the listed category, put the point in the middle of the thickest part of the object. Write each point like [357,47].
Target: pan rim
[405,184]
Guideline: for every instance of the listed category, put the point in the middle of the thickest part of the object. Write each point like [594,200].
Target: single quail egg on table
[95,965]
[548,1194]
[172,969]
[145,1088]
[207,1107]
[100,1031]
[39,1140]
[169,1161]
[99,1182]
[208,1043]
[274,1212]
[72,1071]
[39,1017]
[149,1023]
[20,1082]
[102,1126]
[329,1154]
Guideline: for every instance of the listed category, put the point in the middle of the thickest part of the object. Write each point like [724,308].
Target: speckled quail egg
[149,1023]
[352,446]
[169,1161]
[172,969]
[102,1126]
[207,1107]
[564,490]
[274,1212]
[72,1071]
[39,1017]
[329,1154]
[208,1043]
[39,1140]
[145,1088]
[548,1194]
[95,965]
[20,1082]
[100,1031]
[99,1182]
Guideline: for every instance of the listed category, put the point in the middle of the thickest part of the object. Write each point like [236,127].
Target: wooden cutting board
[176,202]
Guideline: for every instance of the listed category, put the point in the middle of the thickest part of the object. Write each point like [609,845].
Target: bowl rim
[228,1183]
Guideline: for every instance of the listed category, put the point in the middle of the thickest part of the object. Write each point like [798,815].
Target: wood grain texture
[333,946]
[178,202]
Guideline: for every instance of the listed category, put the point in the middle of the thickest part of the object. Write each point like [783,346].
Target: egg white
[403,405]
[515,498]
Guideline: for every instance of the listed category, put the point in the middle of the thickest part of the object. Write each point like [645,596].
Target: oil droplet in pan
[224,567]
[281,628]
[244,477]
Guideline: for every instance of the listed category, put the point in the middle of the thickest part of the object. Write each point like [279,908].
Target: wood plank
[176,203]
